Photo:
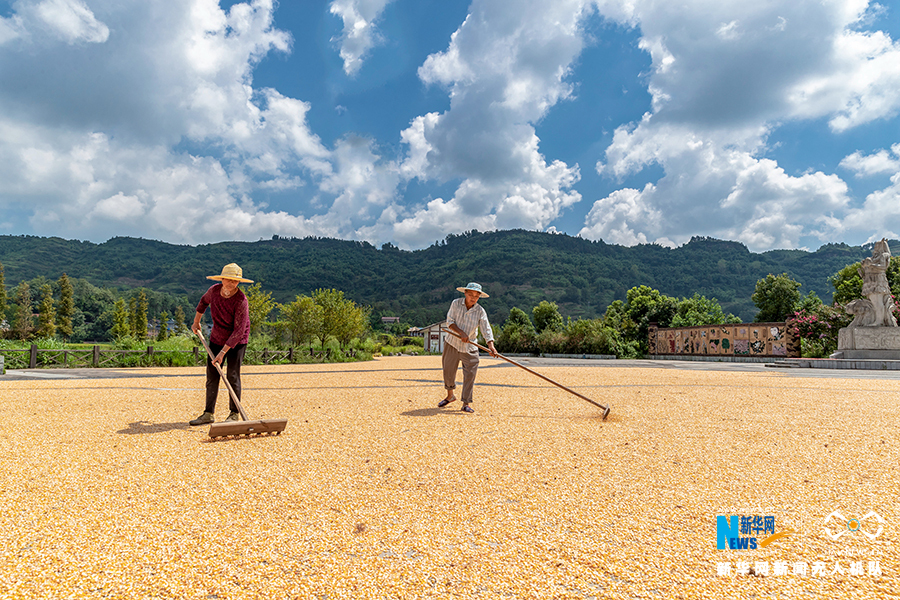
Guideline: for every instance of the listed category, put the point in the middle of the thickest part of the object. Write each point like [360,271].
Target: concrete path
[486,363]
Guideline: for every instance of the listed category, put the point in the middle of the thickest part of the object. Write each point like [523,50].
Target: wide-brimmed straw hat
[474,287]
[230,271]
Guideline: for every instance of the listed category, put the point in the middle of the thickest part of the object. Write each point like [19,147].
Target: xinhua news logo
[737,532]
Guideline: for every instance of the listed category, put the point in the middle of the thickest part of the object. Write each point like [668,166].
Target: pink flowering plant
[817,328]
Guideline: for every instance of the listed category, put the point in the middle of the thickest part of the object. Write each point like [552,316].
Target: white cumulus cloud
[359,33]
[11,28]
[712,189]
[504,68]
[119,208]
[723,78]
[146,120]
[69,21]
[881,207]
[72,20]
[881,162]
[82,154]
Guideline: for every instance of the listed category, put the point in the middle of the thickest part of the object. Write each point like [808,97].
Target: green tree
[810,302]
[331,301]
[132,316]
[700,310]
[94,307]
[163,334]
[342,319]
[121,321]
[519,318]
[646,305]
[617,317]
[23,321]
[180,327]
[261,304]
[46,313]
[354,324]
[139,315]
[847,282]
[776,297]
[517,333]
[546,316]
[4,301]
[551,341]
[303,318]
[66,308]
[397,329]
[591,336]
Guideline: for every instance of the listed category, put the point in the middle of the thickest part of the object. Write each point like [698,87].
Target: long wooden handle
[224,377]
[521,366]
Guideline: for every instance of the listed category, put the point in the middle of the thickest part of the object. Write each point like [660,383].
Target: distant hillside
[518,268]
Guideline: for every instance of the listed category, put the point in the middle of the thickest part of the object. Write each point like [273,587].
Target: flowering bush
[817,328]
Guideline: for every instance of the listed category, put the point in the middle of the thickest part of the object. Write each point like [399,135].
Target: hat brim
[221,277]
[464,290]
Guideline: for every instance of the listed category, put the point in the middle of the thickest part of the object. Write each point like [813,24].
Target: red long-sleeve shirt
[230,316]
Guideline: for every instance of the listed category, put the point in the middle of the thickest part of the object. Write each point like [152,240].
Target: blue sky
[193,121]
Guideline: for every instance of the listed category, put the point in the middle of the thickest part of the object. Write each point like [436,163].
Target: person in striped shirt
[465,318]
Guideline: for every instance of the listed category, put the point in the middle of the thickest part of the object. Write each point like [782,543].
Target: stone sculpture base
[868,343]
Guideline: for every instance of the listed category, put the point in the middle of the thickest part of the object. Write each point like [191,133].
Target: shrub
[590,336]
[817,328]
[551,342]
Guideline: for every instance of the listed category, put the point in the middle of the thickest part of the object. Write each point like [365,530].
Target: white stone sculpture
[878,310]
[873,334]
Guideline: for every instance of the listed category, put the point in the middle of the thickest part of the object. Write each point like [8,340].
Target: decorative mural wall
[754,340]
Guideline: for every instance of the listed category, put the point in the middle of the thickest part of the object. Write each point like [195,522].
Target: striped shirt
[470,321]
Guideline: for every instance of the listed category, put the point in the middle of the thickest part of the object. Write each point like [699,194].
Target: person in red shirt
[228,339]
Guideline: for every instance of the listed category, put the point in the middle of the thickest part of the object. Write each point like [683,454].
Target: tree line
[621,331]
[75,310]
[623,328]
[71,313]
[323,315]
[521,268]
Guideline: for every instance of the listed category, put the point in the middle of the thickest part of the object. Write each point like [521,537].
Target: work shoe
[467,408]
[234,416]
[203,419]
[444,402]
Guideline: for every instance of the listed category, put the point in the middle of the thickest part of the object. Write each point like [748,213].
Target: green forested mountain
[518,268]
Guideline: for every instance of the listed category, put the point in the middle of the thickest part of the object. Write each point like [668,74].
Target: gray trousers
[450,360]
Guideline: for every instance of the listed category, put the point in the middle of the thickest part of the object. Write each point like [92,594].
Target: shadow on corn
[142,427]
[440,382]
[425,412]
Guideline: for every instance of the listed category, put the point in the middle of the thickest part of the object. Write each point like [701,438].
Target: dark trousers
[233,360]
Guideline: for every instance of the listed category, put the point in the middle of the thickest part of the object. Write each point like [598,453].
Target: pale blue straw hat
[473,286]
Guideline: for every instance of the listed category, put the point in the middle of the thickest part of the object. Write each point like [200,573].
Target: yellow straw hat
[230,271]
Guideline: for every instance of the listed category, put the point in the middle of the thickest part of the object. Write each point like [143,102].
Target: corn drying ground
[374,492]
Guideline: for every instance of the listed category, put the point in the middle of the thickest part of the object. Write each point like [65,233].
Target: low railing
[290,356]
[98,357]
